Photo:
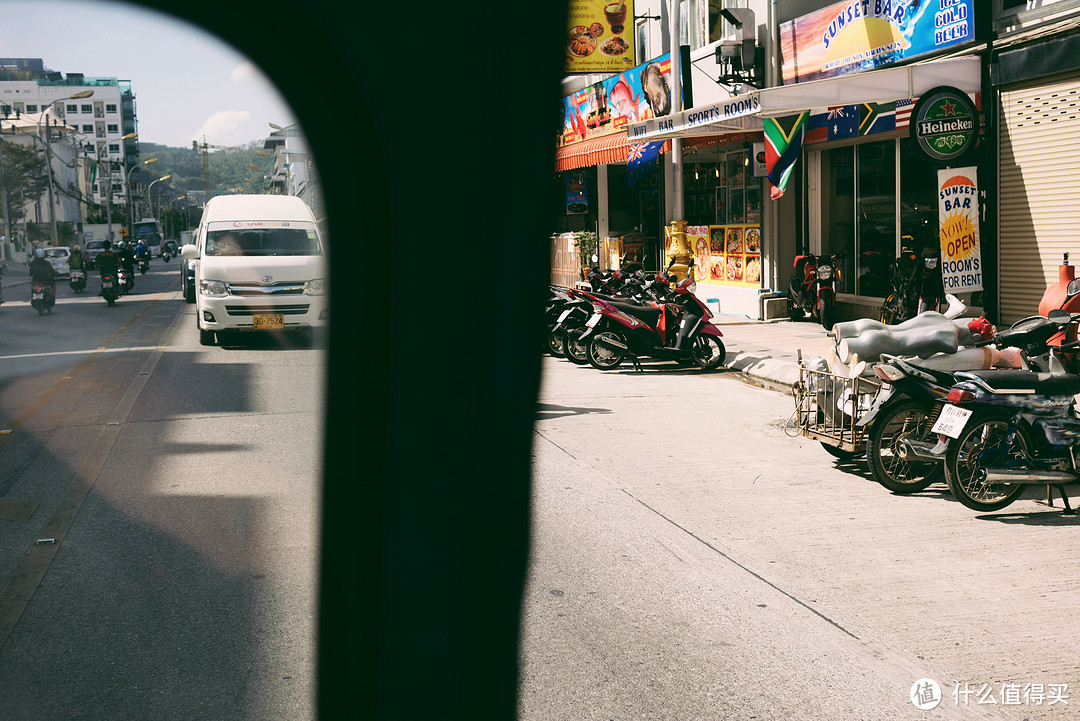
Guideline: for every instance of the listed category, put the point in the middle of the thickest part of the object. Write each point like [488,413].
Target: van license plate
[269,321]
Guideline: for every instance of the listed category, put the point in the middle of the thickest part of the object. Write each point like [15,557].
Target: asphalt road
[692,560]
[158,512]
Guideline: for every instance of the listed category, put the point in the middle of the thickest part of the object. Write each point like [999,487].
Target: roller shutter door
[1039,180]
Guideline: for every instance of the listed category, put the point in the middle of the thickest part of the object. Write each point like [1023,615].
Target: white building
[91,133]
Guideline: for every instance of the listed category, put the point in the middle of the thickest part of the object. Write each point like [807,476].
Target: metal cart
[828,406]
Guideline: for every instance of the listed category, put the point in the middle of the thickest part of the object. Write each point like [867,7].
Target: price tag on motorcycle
[951,421]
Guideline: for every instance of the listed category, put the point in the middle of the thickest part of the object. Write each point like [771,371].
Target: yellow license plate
[269,321]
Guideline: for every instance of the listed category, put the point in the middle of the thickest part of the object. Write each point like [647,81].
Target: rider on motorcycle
[77,261]
[142,250]
[126,260]
[41,270]
[107,261]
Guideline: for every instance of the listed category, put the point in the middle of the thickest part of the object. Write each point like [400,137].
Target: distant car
[187,279]
[91,250]
[58,258]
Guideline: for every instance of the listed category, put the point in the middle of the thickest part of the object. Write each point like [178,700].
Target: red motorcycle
[813,289]
[677,328]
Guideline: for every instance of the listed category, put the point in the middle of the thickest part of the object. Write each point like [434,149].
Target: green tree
[24,176]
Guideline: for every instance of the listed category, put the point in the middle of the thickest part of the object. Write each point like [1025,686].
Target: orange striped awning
[612,148]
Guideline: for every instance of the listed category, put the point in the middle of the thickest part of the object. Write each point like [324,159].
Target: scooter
[1007,430]
[125,280]
[110,288]
[902,452]
[77,280]
[677,329]
[812,290]
[41,297]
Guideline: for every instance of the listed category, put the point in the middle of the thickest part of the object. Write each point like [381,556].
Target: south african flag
[783,143]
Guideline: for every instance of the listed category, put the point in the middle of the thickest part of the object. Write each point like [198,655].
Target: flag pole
[677,202]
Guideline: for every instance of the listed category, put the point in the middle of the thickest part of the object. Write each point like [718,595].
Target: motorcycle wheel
[110,301]
[556,343]
[907,419]
[825,311]
[40,309]
[888,310]
[189,294]
[708,352]
[964,472]
[576,352]
[601,356]
[794,312]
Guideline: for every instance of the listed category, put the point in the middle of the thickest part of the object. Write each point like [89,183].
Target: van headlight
[319,286]
[216,288]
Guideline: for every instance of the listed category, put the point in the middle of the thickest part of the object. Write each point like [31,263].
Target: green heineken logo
[945,124]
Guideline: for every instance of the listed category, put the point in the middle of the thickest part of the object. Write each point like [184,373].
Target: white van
[259,265]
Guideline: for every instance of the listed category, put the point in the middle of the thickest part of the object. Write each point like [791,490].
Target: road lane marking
[28,575]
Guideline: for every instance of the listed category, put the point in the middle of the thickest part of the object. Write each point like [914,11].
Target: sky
[188,84]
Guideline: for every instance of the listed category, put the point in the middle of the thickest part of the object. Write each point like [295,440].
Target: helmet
[39,253]
[76,249]
[122,244]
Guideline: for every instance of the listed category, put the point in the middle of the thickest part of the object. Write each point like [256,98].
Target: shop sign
[727,254]
[857,35]
[599,39]
[727,110]
[945,124]
[577,196]
[607,107]
[958,217]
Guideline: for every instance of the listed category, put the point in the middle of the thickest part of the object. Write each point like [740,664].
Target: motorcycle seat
[644,313]
[1048,384]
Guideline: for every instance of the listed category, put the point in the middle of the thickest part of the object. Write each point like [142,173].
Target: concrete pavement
[768,350]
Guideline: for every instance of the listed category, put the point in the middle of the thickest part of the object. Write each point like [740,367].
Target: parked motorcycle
[77,280]
[678,329]
[902,452]
[812,290]
[903,302]
[931,285]
[1008,430]
[41,297]
[110,288]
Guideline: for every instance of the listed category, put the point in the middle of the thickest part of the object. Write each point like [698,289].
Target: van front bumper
[239,313]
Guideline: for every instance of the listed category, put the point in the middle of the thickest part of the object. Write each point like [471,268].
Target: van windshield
[262,241]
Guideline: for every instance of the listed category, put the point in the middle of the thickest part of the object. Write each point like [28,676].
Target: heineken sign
[945,124]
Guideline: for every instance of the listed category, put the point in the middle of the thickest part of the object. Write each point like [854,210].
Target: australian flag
[843,122]
[641,160]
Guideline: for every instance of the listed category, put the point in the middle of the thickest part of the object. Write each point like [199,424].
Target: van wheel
[206,337]
[189,293]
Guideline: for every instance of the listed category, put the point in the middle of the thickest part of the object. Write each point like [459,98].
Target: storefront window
[719,188]
[876,247]
[860,208]
[838,209]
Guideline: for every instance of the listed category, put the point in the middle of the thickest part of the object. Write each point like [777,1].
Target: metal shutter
[1039,168]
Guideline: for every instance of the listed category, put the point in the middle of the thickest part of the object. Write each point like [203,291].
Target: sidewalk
[768,350]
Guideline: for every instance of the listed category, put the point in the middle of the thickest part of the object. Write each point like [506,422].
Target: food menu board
[599,38]
[734,255]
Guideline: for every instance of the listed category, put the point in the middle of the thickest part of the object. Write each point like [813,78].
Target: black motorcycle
[41,297]
[812,290]
[1009,430]
[110,288]
[902,452]
[77,280]
[144,265]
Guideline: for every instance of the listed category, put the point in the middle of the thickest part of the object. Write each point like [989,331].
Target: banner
[600,38]
[577,194]
[857,35]
[607,107]
[958,215]
[783,143]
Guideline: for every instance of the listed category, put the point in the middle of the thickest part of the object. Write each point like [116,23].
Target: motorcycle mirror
[595,258]
[1059,316]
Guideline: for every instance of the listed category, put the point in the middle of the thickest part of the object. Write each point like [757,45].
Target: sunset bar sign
[958,215]
[857,35]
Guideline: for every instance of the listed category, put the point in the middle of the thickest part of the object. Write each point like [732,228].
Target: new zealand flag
[641,160]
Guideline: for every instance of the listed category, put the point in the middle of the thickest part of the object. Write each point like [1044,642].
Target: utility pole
[4,200]
[49,169]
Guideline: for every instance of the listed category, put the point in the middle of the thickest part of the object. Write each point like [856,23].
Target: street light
[131,205]
[108,184]
[150,187]
[48,152]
